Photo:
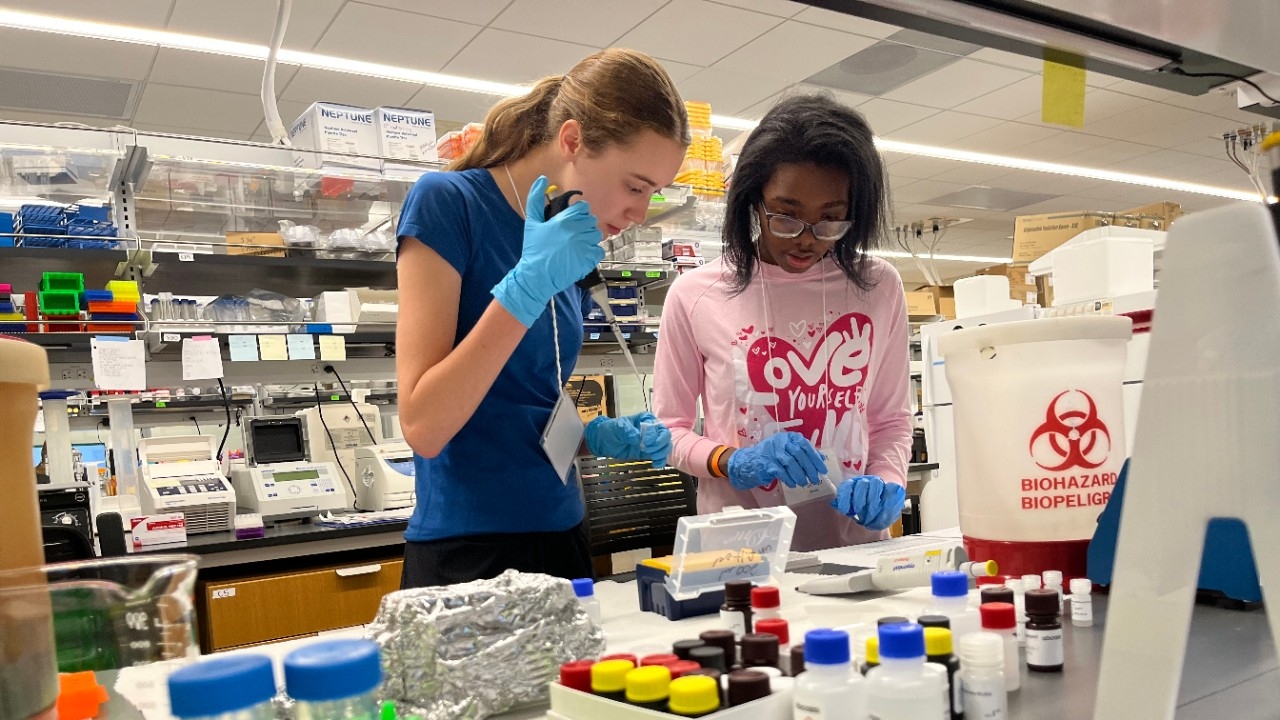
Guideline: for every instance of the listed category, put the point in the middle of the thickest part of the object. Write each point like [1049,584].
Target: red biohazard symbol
[1074,437]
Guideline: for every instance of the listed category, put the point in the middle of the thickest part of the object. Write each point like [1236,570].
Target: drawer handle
[362,570]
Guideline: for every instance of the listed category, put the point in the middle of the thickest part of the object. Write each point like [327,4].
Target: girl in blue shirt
[491,321]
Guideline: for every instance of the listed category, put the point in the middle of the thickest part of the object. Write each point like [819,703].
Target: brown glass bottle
[1044,631]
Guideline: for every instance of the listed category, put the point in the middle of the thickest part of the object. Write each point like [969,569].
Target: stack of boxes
[79,227]
[686,255]
[6,229]
[7,312]
[59,301]
[627,305]
[114,309]
[345,136]
[703,167]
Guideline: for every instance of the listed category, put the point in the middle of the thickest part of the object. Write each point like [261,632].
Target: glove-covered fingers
[894,497]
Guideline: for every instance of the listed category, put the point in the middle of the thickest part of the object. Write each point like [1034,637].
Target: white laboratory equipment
[181,473]
[384,477]
[334,431]
[278,482]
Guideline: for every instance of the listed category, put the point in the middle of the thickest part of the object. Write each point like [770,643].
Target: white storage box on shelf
[405,134]
[983,295]
[326,128]
[1101,263]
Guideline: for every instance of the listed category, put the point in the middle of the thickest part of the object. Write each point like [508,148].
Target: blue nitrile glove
[557,253]
[870,501]
[787,456]
[634,437]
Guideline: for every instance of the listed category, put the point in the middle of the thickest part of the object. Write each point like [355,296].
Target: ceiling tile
[922,190]
[1014,61]
[777,53]
[728,92]
[943,128]
[679,71]
[595,22]
[74,55]
[1117,151]
[1214,102]
[252,20]
[696,31]
[1010,102]
[454,105]
[1051,183]
[476,12]
[1140,122]
[917,166]
[1068,203]
[1141,90]
[136,13]
[311,85]
[489,57]
[1004,139]
[1153,163]
[207,110]
[845,22]
[1101,104]
[1210,147]
[781,8]
[394,37]
[885,116]
[1061,145]
[957,83]
[972,174]
[1095,79]
[202,70]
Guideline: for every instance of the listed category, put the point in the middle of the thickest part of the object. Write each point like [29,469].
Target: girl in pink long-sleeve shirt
[795,341]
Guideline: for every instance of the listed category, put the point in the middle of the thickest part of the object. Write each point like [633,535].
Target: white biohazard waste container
[1039,436]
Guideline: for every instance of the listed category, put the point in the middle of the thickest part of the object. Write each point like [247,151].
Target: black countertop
[276,536]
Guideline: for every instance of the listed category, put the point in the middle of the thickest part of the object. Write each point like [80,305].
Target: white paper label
[985,699]
[201,359]
[1044,647]
[221,593]
[186,257]
[734,620]
[119,365]
[1082,611]
[170,337]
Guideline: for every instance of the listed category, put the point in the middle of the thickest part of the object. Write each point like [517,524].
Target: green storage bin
[59,302]
[73,282]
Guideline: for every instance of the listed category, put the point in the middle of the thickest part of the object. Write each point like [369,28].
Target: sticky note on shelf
[244,348]
[333,348]
[301,347]
[201,359]
[273,347]
[1062,94]
[118,364]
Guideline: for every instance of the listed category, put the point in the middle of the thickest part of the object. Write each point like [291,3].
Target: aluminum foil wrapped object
[476,649]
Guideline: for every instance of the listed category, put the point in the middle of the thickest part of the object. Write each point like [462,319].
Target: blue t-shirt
[493,476]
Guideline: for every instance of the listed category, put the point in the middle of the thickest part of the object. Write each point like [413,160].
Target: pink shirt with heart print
[830,362]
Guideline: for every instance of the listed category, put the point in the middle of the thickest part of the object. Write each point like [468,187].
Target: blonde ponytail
[614,94]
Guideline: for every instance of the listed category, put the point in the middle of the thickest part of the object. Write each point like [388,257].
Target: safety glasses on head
[787,227]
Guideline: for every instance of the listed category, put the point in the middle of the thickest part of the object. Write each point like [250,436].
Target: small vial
[726,641]
[681,648]
[1019,608]
[892,620]
[982,679]
[577,675]
[1081,602]
[937,647]
[1053,581]
[1031,582]
[635,661]
[735,613]
[1044,632]
[224,688]
[745,686]
[902,686]
[334,679]
[830,687]
[663,659]
[710,656]
[648,687]
[870,654]
[609,679]
[780,629]
[759,650]
[996,594]
[680,668]
[694,696]
[1001,619]
[585,590]
[797,659]
[951,598]
[934,621]
[766,602]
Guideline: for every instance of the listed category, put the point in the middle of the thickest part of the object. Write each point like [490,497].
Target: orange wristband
[713,464]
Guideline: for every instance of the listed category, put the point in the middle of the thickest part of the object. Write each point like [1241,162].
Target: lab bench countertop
[283,541]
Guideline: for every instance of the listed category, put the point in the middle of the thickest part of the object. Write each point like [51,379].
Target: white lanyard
[555,325]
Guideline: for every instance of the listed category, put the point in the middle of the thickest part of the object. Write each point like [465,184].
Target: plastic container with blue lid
[334,679]
[235,687]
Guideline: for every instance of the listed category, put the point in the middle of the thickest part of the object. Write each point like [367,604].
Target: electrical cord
[1228,76]
[270,107]
[226,404]
[334,446]
[334,371]
[197,423]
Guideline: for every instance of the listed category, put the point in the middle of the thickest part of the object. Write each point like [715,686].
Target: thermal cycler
[278,482]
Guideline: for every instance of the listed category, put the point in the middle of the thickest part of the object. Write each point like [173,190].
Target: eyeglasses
[787,227]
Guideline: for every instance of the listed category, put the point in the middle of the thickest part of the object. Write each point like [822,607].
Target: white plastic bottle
[829,688]
[1081,602]
[951,598]
[1019,607]
[585,589]
[900,687]
[1053,581]
[982,677]
[1000,619]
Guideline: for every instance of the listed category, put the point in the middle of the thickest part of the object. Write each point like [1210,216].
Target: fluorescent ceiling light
[196,43]
[898,254]
[995,22]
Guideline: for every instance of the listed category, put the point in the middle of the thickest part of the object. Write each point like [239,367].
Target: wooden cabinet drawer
[261,609]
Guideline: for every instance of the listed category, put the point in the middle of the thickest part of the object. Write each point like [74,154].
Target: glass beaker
[113,613]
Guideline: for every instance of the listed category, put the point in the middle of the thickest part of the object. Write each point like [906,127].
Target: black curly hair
[809,128]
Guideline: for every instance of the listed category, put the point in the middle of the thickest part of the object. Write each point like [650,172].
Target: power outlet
[76,372]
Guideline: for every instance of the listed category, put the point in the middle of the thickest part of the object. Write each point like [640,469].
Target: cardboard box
[1156,216]
[590,394]
[1022,284]
[250,241]
[334,128]
[406,134]
[921,304]
[1036,235]
[1044,290]
[163,529]
[947,307]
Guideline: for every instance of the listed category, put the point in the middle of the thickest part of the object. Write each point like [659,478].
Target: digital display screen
[277,441]
[297,475]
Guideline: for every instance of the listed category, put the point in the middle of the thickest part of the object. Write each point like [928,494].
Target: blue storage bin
[654,597]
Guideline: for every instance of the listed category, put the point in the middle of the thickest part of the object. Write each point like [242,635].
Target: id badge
[562,436]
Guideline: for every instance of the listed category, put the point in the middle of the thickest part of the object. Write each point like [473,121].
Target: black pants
[565,554]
